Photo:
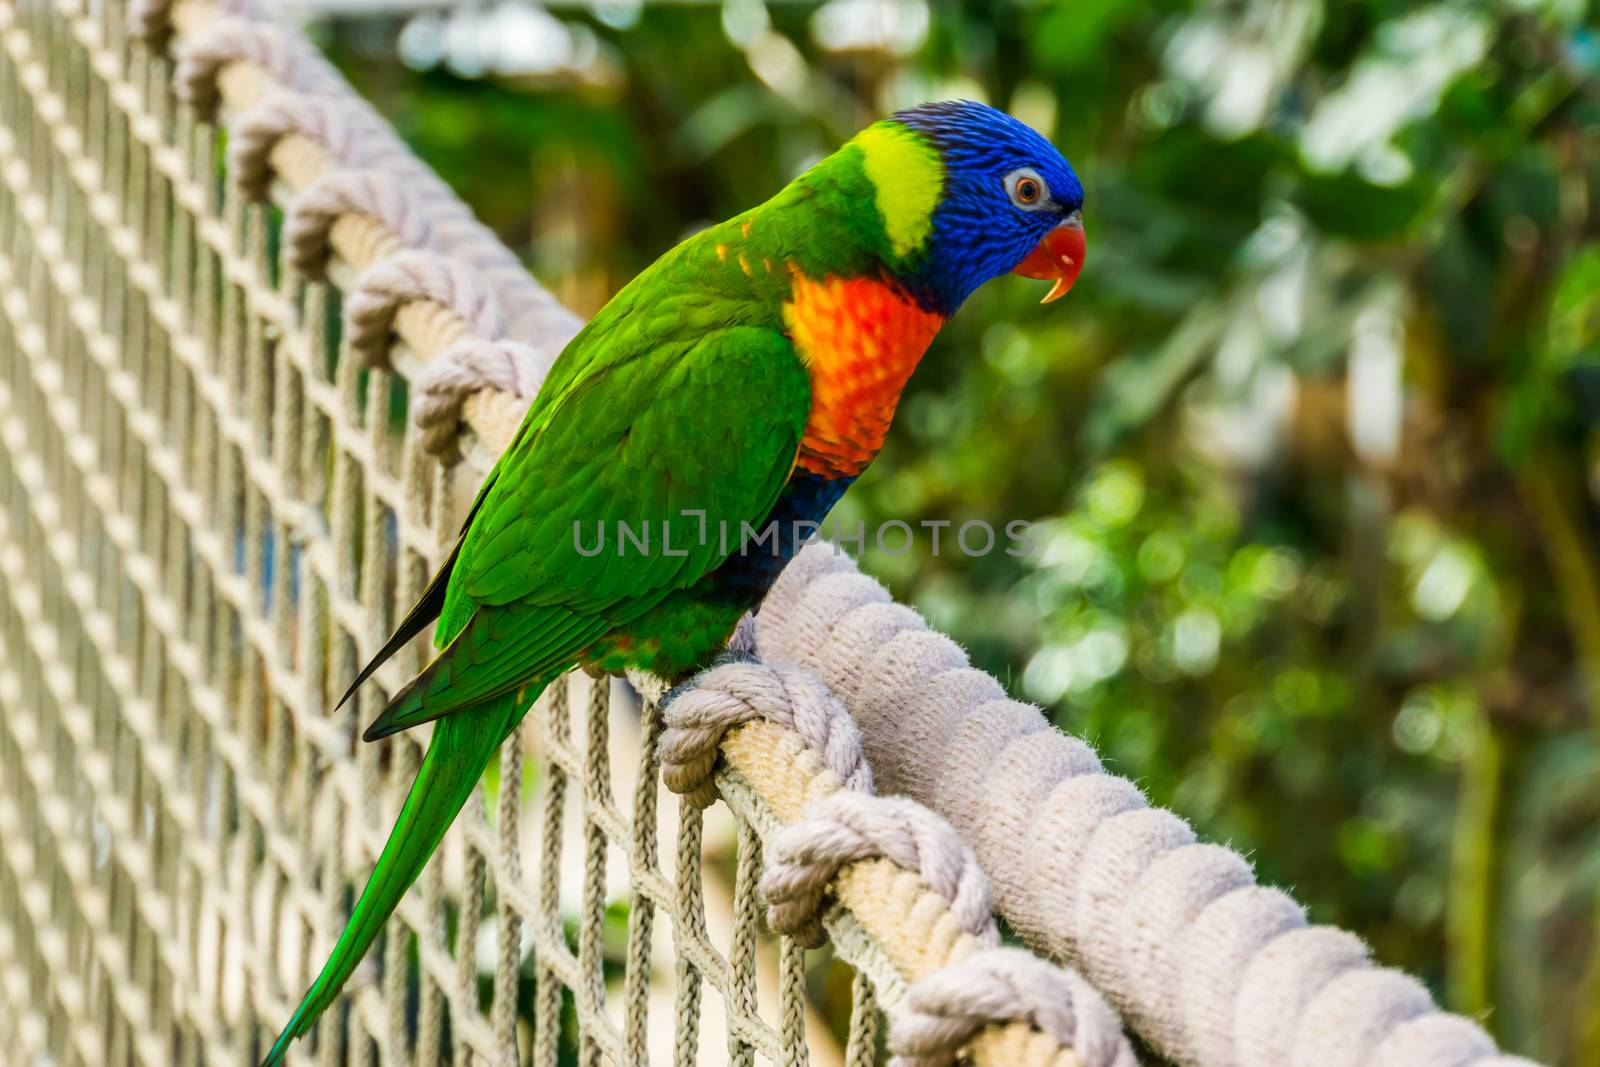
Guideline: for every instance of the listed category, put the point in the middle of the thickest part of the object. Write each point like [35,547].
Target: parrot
[730,392]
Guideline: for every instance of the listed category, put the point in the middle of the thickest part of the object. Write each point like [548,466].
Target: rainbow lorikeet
[731,391]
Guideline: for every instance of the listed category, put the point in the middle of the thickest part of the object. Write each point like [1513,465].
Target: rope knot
[150,21]
[467,367]
[716,700]
[946,1009]
[848,827]
[375,194]
[323,119]
[415,277]
[225,41]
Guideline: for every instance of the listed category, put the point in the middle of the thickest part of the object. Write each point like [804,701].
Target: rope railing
[895,869]
[208,517]
[1208,966]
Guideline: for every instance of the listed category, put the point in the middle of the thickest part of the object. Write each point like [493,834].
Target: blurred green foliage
[1312,445]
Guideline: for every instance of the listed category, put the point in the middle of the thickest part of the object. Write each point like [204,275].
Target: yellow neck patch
[908,176]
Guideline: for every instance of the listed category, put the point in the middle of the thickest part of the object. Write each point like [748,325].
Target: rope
[849,827]
[461,371]
[309,219]
[947,1008]
[975,988]
[1211,968]
[535,317]
[282,112]
[390,284]
[150,21]
[734,693]
[201,58]
[389,205]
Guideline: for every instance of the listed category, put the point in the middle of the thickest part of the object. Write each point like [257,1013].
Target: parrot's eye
[1026,189]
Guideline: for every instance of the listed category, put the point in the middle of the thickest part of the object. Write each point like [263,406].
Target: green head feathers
[908,178]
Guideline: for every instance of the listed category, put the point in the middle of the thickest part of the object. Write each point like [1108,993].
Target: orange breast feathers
[861,339]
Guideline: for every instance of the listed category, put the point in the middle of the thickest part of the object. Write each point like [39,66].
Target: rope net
[212,509]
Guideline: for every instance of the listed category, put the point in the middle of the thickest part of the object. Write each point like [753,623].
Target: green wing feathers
[498,651]
[631,446]
[427,607]
[708,426]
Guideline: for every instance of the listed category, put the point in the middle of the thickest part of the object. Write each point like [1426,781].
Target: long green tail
[462,745]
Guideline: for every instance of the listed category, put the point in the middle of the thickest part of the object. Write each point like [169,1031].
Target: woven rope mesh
[208,512]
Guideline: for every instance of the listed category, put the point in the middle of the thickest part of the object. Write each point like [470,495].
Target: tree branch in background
[1571,556]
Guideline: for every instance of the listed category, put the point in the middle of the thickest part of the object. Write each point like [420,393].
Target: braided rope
[201,58]
[1208,966]
[415,277]
[948,1007]
[334,194]
[848,827]
[466,368]
[280,113]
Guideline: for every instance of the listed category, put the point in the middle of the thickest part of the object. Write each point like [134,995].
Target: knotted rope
[334,194]
[732,694]
[536,318]
[1211,967]
[339,134]
[947,1008]
[280,113]
[201,58]
[150,20]
[460,371]
[416,277]
[849,827]
[981,986]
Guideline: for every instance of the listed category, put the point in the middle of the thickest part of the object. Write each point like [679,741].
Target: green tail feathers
[461,748]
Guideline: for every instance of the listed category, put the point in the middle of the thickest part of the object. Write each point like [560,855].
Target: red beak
[1058,256]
